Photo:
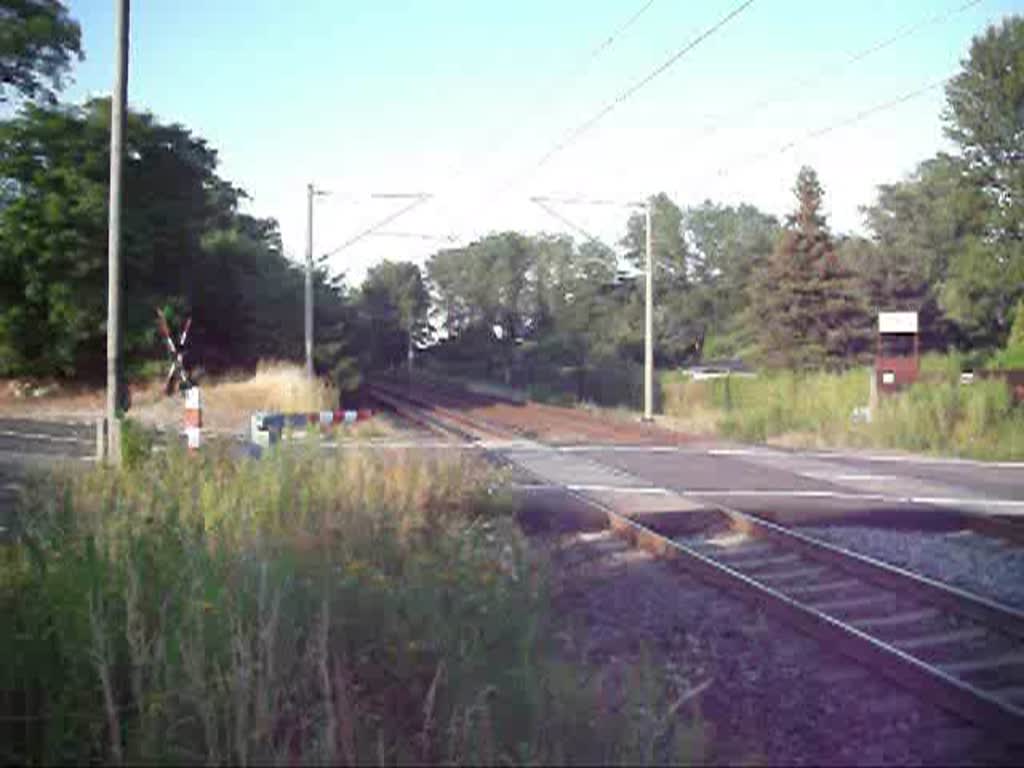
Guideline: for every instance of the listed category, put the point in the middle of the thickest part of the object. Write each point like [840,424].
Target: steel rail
[929,680]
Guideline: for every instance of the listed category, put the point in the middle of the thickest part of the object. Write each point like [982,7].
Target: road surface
[808,486]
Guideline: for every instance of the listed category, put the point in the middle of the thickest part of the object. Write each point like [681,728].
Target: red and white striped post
[193,418]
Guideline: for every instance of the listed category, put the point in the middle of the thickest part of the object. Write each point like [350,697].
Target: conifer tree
[805,300]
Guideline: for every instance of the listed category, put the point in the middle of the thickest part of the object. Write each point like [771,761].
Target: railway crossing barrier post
[193,418]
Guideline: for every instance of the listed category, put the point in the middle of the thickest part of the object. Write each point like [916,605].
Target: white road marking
[909,459]
[643,491]
[1013,506]
[1009,504]
[855,477]
[621,449]
[40,436]
[438,444]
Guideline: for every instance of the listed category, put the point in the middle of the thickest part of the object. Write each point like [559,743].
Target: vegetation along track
[495,417]
[959,651]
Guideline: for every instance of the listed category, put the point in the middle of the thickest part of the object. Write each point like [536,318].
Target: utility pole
[309,281]
[410,354]
[311,192]
[118,99]
[648,208]
[649,321]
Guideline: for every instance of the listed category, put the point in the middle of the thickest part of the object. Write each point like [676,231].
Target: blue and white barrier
[267,428]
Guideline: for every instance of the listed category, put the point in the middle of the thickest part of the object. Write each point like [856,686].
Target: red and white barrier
[193,418]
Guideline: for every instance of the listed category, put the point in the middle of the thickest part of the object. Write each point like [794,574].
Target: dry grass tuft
[277,386]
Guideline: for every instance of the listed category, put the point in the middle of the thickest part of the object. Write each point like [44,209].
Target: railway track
[958,650]
[511,420]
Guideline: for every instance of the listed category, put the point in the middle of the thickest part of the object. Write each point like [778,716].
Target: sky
[463,99]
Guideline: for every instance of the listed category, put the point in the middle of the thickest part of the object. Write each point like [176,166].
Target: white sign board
[897,322]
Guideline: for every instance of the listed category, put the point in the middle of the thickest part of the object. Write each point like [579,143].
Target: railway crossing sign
[177,375]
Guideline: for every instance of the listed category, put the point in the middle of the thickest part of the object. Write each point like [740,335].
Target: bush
[774,403]
[136,443]
[307,608]
[938,414]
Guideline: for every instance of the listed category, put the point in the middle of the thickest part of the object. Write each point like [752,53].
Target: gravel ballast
[985,566]
[775,696]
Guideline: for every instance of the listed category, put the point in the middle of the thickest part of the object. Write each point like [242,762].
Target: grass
[760,407]
[275,386]
[936,415]
[309,607]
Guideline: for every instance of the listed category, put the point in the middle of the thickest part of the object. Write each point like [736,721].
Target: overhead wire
[783,95]
[624,96]
[629,92]
[566,221]
[834,126]
[612,38]
[374,228]
[577,71]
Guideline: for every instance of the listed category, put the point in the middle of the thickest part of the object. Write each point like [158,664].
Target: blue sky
[462,99]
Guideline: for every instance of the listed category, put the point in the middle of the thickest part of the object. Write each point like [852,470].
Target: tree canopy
[804,299]
[186,244]
[730,280]
[38,43]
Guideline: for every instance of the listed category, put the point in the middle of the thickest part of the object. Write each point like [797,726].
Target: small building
[898,356]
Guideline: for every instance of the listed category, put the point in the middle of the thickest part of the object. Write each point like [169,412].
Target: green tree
[1016,340]
[728,244]
[671,256]
[804,300]
[38,41]
[185,244]
[919,226]
[395,302]
[985,117]
[679,313]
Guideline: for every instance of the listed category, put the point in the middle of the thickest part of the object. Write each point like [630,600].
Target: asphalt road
[789,485]
[27,445]
[797,486]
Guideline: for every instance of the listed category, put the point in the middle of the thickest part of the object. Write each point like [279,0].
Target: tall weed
[936,415]
[306,608]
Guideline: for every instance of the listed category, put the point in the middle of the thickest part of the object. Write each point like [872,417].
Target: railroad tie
[803,590]
[944,638]
[853,602]
[753,563]
[794,575]
[908,617]
[979,665]
[1013,694]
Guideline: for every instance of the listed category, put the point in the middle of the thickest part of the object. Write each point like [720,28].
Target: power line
[574,73]
[628,93]
[843,123]
[420,199]
[588,201]
[566,221]
[625,95]
[417,236]
[619,31]
[817,79]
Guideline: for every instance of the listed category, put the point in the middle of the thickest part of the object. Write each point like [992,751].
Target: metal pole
[649,323]
[411,354]
[309,280]
[118,99]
